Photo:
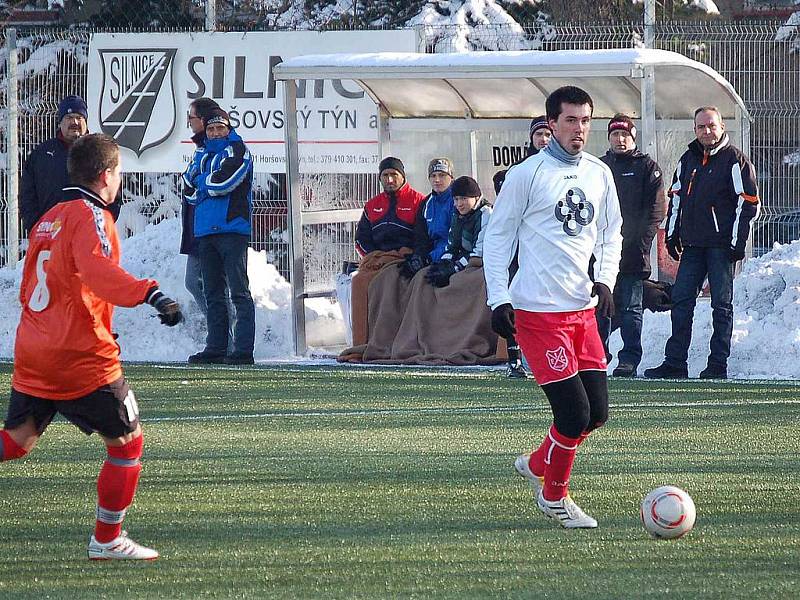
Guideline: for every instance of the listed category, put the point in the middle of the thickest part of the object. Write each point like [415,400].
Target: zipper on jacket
[691,181]
[714,216]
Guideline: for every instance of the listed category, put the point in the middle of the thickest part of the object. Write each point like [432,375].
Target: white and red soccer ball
[668,512]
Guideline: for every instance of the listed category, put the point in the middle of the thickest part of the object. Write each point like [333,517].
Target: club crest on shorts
[557,359]
[137,97]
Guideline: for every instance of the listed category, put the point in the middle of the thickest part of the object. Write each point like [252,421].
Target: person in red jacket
[66,358]
[385,234]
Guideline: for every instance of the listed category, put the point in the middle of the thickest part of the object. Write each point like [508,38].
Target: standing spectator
[562,207]
[66,358]
[713,200]
[193,277]
[45,172]
[385,235]
[433,220]
[221,189]
[641,200]
[539,135]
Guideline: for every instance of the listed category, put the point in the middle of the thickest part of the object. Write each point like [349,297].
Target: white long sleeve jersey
[560,214]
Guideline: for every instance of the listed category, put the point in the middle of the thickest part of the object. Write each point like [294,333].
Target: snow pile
[154,253]
[461,26]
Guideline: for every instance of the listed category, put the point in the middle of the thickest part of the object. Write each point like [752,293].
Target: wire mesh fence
[759,59]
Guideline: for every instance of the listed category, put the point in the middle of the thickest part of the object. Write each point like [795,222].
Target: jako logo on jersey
[557,359]
[570,176]
[574,211]
[137,84]
[48,229]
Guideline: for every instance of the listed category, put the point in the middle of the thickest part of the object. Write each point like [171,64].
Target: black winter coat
[43,178]
[713,198]
[640,188]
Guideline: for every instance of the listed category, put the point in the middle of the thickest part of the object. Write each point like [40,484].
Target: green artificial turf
[329,482]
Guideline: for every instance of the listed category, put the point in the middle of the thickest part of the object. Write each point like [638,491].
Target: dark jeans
[628,318]
[695,264]
[223,259]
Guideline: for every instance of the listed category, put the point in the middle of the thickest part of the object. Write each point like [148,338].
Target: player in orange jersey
[66,359]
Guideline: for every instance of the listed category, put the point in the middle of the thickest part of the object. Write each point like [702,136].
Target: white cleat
[566,512]
[522,465]
[120,548]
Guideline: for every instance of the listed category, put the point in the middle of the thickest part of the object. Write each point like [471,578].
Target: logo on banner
[137,97]
[557,359]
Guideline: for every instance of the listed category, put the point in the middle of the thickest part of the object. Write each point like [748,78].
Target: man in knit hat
[640,189]
[433,220]
[384,235]
[45,171]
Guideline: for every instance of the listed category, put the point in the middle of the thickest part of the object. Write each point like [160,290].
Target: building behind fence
[759,63]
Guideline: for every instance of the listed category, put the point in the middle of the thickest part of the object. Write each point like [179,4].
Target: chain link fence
[763,69]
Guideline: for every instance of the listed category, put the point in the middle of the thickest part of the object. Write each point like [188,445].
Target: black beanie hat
[466,186]
[390,162]
[622,122]
[539,123]
[72,105]
[216,115]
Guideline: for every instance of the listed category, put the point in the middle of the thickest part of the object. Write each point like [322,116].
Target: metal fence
[763,69]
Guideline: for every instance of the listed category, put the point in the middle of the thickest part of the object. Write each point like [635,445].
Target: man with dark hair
[221,190]
[45,172]
[193,278]
[562,206]
[641,198]
[66,358]
[713,201]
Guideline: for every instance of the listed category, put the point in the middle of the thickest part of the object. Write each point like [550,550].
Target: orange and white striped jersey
[64,348]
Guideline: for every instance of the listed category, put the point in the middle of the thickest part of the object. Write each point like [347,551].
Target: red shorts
[558,345]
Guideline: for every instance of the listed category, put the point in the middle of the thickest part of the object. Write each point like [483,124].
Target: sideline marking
[378,412]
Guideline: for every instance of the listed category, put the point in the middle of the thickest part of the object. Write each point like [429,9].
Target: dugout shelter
[457,102]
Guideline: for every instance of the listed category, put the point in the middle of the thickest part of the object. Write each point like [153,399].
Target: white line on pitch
[456,410]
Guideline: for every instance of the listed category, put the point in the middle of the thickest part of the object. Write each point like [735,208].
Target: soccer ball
[668,512]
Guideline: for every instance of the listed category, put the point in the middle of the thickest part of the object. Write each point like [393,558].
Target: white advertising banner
[140,86]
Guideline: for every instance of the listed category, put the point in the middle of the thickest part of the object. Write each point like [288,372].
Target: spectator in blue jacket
[193,278]
[220,187]
[432,226]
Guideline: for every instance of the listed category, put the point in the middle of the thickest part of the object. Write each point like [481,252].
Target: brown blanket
[416,323]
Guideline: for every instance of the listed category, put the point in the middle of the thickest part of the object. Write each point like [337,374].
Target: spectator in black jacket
[45,171]
[640,190]
[713,201]
[193,278]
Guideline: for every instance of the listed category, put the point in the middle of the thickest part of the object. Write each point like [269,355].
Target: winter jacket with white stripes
[220,186]
[714,197]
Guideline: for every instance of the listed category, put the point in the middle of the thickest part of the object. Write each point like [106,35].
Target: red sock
[116,487]
[536,461]
[558,464]
[9,449]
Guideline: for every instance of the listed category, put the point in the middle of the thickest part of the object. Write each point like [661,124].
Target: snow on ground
[766,335]
[154,253]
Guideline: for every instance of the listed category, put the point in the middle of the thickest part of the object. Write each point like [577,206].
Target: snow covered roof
[515,84]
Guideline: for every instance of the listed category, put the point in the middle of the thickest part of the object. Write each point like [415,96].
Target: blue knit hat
[72,105]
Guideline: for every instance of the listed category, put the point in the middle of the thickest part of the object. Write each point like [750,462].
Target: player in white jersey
[561,207]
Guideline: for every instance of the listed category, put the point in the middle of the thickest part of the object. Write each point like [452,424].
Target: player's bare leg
[16,443]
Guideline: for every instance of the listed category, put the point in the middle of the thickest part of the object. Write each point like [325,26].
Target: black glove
[605,300]
[440,273]
[413,264]
[503,321]
[736,254]
[168,310]
[674,248]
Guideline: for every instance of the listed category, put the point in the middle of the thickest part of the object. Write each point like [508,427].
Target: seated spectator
[384,236]
[433,221]
[412,322]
